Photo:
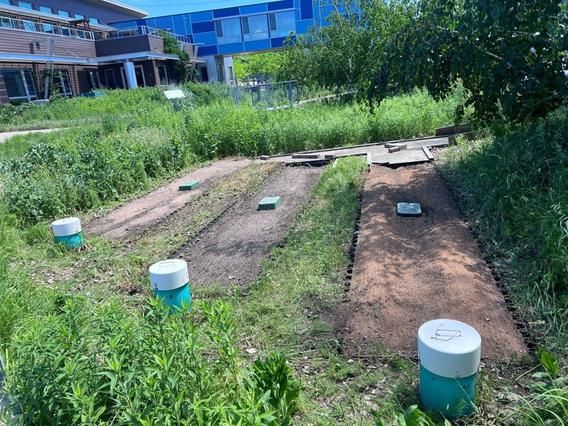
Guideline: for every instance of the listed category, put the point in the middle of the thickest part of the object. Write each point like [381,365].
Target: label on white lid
[449,348]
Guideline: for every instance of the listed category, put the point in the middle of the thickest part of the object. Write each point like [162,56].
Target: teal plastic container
[74,241]
[176,298]
[453,398]
[170,283]
[450,357]
[68,232]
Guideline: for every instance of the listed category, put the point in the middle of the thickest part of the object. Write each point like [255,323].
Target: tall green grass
[114,103]
[80,169]
[516,188]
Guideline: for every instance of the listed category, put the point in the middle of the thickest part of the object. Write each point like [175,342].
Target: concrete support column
[130,74]
[211,68]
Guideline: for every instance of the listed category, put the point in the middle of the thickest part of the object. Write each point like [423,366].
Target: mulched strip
[232,249]
[144,212]
[408,271]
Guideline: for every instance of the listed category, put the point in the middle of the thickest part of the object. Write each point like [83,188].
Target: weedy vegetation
[76,352]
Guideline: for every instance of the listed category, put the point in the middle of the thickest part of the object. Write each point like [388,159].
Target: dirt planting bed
[411,270]
[231,250]
[140,214]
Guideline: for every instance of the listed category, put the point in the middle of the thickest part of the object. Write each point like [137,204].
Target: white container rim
[169,274]
[66,227]
[449,348]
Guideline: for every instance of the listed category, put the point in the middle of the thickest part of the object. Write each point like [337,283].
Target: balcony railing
[141,30]
[45,28]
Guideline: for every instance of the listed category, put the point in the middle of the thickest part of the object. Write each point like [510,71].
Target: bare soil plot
[232,249]
[411,270]
[150,209]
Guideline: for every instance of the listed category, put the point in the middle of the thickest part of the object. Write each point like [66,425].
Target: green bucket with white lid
[68,232]
[450,357]
[169,280]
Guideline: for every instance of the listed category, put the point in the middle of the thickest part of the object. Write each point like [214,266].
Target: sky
[170,7]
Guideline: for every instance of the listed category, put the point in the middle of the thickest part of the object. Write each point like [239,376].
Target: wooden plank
[452,130]
[427,153]
[401,158]
[306,156]
[438,143]
[396,148]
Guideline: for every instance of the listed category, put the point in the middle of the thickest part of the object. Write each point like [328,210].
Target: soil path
[150,209]
[411,270]
[231,251]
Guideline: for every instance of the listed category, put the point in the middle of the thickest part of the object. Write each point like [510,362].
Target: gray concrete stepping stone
[409,209]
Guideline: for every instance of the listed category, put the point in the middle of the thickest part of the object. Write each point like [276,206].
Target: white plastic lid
[66,227]
[169,274]
[449,348]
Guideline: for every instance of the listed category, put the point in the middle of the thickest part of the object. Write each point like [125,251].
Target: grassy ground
[78,309]
[78,333]
[287,310]
[84,168]
[513,188]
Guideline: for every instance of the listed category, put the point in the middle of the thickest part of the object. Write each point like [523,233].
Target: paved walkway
[4,136]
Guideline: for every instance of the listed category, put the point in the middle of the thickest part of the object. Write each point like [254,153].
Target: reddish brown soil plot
[139,214]
[411,270]
[232,249]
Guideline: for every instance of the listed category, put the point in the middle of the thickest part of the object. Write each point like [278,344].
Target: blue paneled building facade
[241,27]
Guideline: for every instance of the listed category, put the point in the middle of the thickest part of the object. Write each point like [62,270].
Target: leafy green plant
[413,416]
[83,364]
[272,379]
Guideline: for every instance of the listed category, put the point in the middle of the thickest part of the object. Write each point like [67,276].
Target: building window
[5,2]
[62,83]
[231,74]
[6,22]
[255,27]
[46,9]
[220,73]
[228,31]
[140,77]
[78,16]
[20,85]
[63,13]
[163,73]
[25,5]
[110,80]
[29,26]
[94,21]
[282,24]
[48,28]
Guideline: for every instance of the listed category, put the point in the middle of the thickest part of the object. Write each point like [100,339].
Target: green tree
[183,70]
[510,55]
[269,65]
